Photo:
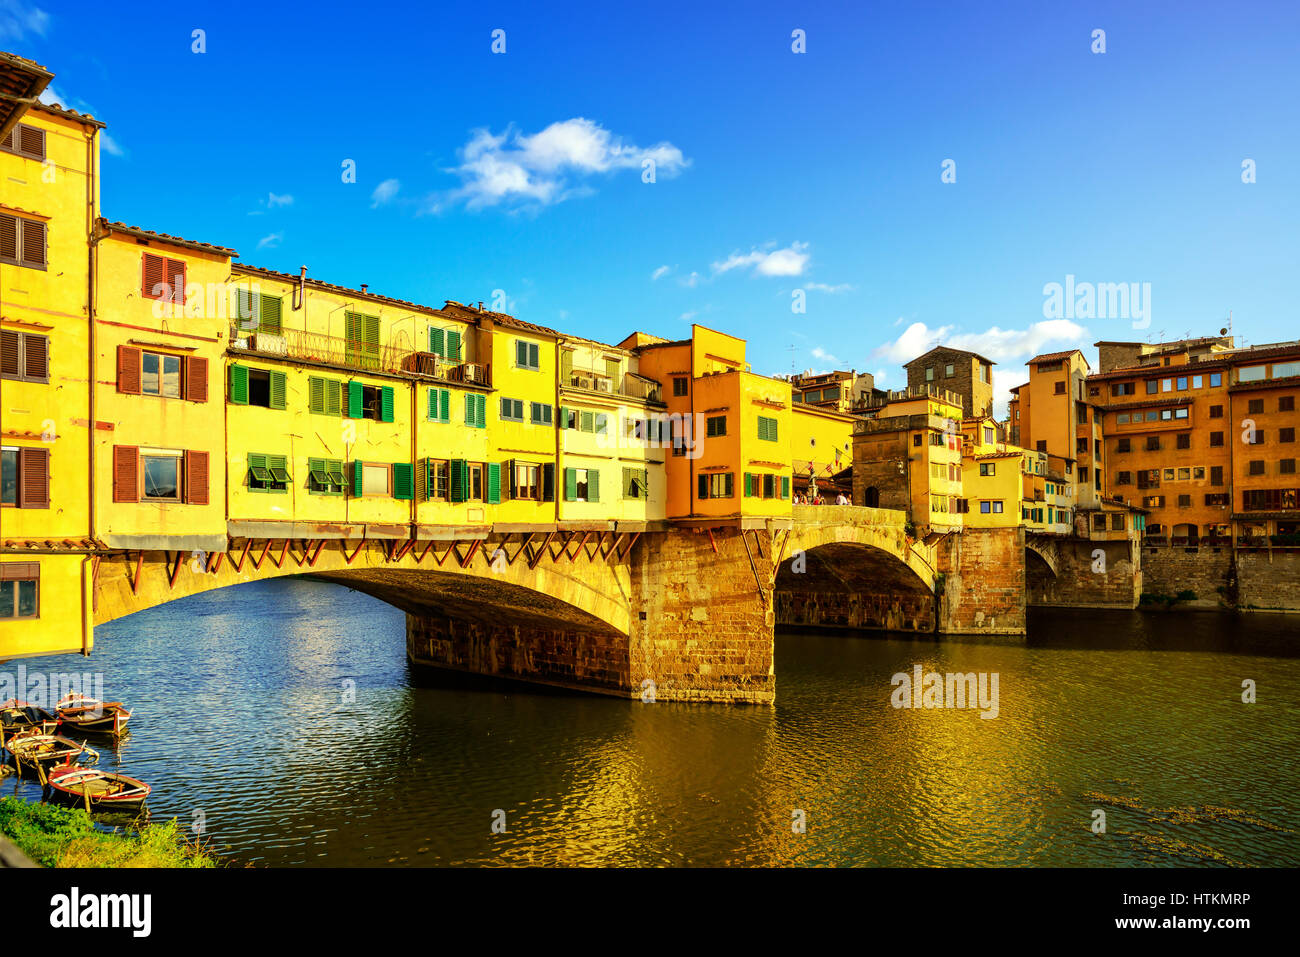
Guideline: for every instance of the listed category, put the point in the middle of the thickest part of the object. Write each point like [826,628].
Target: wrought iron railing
[318,347]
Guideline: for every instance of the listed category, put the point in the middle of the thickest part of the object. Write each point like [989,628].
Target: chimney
[480,305]
[364,286]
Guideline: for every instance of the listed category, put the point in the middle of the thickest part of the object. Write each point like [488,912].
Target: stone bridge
[685,612]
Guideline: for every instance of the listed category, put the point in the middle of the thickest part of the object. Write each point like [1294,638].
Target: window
[267,473]
[526,355]
[1196,381]
[1286,467]
[1059,388]
[1286,403]
[989,436]
[258,313]
[1255,406]
[1216,498]
[1216,439]
[24,356]
[22,242]
[929,373]
[1216,474]
[1041,445]
[947,370]
[324,396]
[28,141]
[1256,467]
[370,479]
[445,343]
[1184,501]
[361,340]
[370,402]
[325,477]
[476,410]
[988,468]
[990,507]
[1270,499]
[19,589]
[717,485]
[512,410]
[1286,435]
[540,413]
[636,483]
[1121,419]
[680,385]
[162,477]
[162,278]
[439,405]
[265,388]
[1124,478]
[1153,443]
[1251,373]
[715,425]
[526,481]
[916,439]
[1123,445]
[24,477]
[984,377]
[1183,440]
[1216,379]
[767,428]
[1255,437]
[582,485]
[1153,386]
[1284,370]
[476,476]
[437,479]
[1122,388]
[1153,501]
[1182,383]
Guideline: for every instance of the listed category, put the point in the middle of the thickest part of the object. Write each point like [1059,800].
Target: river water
[245,721]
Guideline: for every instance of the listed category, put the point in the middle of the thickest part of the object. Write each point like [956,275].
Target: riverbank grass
[66,837]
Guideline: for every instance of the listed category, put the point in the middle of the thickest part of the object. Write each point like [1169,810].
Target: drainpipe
[91,265]
[559,428]
[300,293]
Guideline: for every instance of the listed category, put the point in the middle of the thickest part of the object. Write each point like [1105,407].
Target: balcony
[318,347]
[452,370]
[632,385]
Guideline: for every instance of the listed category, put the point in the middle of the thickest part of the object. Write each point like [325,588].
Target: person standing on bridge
[841,500]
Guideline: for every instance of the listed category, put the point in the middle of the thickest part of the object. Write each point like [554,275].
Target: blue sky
[775,171]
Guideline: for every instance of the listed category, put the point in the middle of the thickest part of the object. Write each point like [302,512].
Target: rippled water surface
[240,715]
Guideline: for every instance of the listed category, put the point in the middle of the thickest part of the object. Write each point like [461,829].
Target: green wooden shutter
[426,481]
[785,486]
[645,484]
[386,404]
[453,345]
[268,314]
[459,480]
[548,482]
[586,421]
[239,384]
[749,479]
[471,416]
[354,399]
[277,390]
[629,483]
[403,481]
[703,491]
[570,485]
[257,471]
[433,405]
[444,405]
[436,341]
[481,418]
[244,309]
[593,485]
[315,394]
[333,396]
[356,479]
[494,483]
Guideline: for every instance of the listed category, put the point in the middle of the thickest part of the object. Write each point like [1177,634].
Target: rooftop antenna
[792,360]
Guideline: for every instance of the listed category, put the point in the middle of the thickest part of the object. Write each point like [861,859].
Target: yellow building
[49,199]
[821,448]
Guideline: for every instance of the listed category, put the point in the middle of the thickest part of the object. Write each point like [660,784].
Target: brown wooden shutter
[36,357]
[176,281]
[196,477]
[30,141]
[126,478]
[196,379]
[8,237]
[33,243]
[33,478]
[128,370]
[154,275]
[9,362]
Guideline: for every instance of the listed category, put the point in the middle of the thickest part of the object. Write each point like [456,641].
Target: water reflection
[243,714]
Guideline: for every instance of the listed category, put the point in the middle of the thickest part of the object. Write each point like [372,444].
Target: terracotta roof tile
[247,269]
[164,237]
[1053,356]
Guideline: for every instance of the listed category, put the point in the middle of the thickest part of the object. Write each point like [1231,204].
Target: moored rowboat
[76,711]
[18,717]
[97,788]
[40,750]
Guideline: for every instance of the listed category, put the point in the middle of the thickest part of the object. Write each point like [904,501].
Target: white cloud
[822,287]
[1010,348]
[17,19]
[691,281]
[687,316]
[271,241]
[660,273]
[819,353]
[768,261]
[52,97]
[544,168]
[384,192]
